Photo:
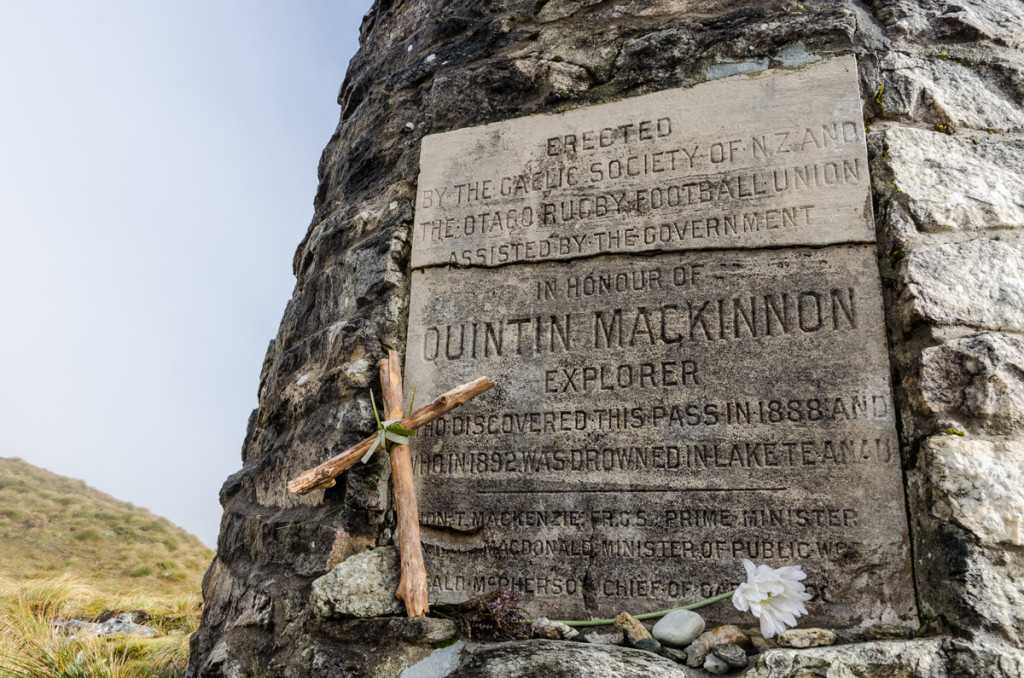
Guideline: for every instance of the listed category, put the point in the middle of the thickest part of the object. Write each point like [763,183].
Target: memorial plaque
[658,417]
[749,162]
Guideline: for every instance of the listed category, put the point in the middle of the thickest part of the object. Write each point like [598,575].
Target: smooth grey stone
[678,628]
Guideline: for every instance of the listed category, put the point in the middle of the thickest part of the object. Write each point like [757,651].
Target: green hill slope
[51,525]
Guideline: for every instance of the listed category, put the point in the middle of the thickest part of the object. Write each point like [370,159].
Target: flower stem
[649,615]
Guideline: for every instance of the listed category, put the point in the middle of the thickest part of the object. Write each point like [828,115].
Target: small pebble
[678,628]
[729,635]
[722,635]
[648,644]
[759,641]
[733,655]
[678,656]
[409,127]
[713,664]
[888,632]
[545,628]
[602,637]
[697,651]
[632,628]
[805,638]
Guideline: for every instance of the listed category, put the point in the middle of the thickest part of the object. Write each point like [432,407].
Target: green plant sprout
[388,431]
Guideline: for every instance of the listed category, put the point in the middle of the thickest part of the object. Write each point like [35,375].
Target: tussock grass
[71,552]
[32,647]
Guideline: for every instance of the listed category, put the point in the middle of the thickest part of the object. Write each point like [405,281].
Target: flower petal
[775,596]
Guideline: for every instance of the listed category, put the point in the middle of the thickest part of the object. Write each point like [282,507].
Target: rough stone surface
[995,21]
[888,632]
[804,638]
[545,628]
[362,586]
[913,659]
[427,67]
[678,628]
[925,658]
[978,485]
[602,637]
[699,649]
[553,659]
[976,381]
[733,655]
[987,291]
[632,629]
[944,90]
[957,183]
[121,624]
[950,234]
[697,652]
[647,645]
[716,665]
[759,642]
[676,655]
[441,662]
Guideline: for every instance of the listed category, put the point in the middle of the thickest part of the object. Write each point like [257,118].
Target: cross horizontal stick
[322,476]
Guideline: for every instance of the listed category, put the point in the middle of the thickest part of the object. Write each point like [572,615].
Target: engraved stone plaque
[658,417]
[749,162]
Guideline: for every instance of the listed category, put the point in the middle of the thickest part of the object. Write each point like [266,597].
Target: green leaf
[397,439]
[379,441]
[395,428]
[374,404]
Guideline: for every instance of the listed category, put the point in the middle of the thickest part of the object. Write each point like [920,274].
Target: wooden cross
[412,588]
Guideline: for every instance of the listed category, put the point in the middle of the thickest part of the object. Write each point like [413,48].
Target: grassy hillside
[51,526]
[69,551]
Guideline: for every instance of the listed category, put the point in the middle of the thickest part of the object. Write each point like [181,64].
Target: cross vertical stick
[412,588]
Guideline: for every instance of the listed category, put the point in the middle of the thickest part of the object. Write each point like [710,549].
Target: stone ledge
[925,658]
[939,657]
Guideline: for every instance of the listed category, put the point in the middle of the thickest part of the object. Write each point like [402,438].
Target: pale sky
[157,170]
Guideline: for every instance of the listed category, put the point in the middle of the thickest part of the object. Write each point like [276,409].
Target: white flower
[775,596]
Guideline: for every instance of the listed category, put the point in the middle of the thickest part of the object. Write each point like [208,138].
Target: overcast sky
[157,170]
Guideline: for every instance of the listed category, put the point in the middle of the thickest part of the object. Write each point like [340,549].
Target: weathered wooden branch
[412,589]
[323,475]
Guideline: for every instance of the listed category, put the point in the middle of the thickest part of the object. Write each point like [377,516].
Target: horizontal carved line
[631,490]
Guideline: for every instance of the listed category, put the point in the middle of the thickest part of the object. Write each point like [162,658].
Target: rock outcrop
[942,83]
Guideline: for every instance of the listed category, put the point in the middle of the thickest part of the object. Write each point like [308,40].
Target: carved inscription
[656,420]
[698,169]
[678,298]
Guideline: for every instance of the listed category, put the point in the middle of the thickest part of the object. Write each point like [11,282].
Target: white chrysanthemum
[775,596]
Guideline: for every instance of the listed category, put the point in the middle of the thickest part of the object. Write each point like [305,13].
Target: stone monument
[679,301]
[748,277]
